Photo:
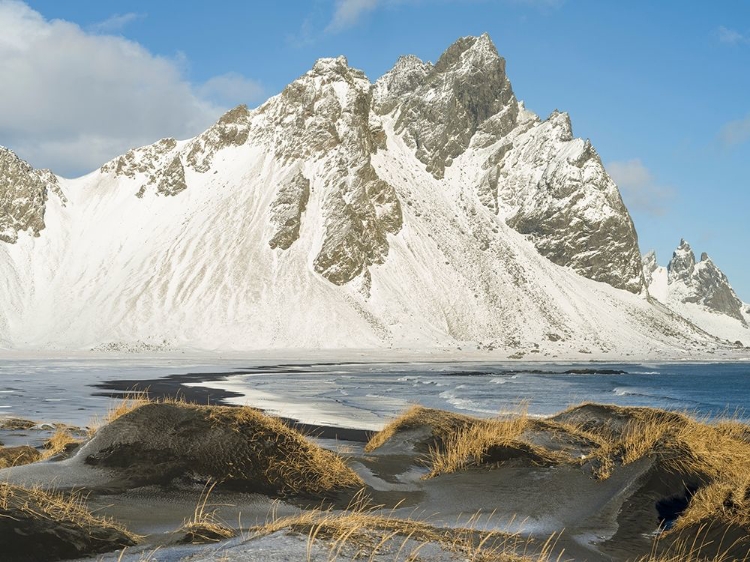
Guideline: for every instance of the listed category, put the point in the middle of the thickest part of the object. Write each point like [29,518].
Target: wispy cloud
[735,132]
[349,13]
[639,189]
[116,22]
[732,36]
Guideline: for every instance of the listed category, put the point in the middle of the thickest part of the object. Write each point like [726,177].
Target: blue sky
[661,88]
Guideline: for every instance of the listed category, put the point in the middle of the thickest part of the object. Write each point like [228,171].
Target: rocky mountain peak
[440,108]
[23,196]
[324,128]
[332,65]
[471,54]
[702,283]
[682,264]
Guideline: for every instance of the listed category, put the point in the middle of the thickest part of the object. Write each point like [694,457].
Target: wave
[656,398]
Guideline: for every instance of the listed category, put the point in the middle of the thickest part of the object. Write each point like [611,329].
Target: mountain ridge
[315,221]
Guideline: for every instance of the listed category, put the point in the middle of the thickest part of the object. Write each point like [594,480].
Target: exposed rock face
[440,108]
[160,165]
[23,196]
[325,117]
[702,283]
[682,265]
[571,209]
[232,129]
[286,211]
[157,165]
[549,185]
[650,265]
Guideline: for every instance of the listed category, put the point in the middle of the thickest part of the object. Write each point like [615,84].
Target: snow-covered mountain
[429,209]
[700,292]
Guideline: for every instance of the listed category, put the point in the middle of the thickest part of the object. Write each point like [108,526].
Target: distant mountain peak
[702,282]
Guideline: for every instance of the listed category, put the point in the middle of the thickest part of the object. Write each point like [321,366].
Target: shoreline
[183,385]
[460,353]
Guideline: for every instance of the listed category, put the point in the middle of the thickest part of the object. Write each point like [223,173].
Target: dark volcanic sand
[177,386]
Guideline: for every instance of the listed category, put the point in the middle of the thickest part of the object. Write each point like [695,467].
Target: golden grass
[205,526]
[362,532]
[55,507]
[698,547]
[129,402]
[58,443]
[726,500]
[716,454]
[303,467]
[280,455]
[472,445]
[443,424]
[17,456]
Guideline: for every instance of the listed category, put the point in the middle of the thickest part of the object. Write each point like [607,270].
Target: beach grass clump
[713,453]
[59,442]
[458,441]
[43,525]
[704,543]
[127,403]
[442,424]
[17,456]
[364,532]
[240,447]
[490,441]
[205,526]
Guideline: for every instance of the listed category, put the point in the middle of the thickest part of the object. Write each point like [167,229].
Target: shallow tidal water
[366,395]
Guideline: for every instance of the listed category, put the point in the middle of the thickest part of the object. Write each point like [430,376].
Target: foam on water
[366,395]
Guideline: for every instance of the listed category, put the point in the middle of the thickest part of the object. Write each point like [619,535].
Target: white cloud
[639,189]
[116,22]
[71,99]
[735,132]
[732,36]
[349,12]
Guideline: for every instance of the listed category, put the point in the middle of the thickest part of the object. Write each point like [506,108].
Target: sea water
[366,395]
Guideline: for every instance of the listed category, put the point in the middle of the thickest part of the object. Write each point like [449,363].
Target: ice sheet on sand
[333,414]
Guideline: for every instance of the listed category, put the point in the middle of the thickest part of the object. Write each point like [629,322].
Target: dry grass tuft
[726,500]
[715,454]
[700,546]
[362,532]
[205,526]
[129,402]
[286,455]
[58,443]
[443,425]
[52,521]
[17,456]
[239,446]
[488,441]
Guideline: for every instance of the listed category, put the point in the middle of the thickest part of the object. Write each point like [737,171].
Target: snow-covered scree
[429,209]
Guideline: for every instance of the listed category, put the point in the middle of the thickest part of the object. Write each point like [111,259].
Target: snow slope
[699,292]
[324,219]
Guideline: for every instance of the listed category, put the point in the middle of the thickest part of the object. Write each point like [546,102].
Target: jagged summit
[702,282]
[426,209]
[687,282]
